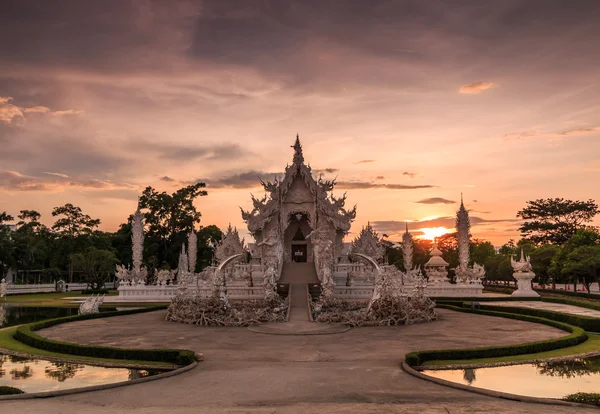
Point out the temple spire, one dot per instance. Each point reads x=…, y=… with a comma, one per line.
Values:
x=298, y=157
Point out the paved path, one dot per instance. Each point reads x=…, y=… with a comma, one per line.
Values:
x=243, y=371
x=557, y=307
x=298, y=302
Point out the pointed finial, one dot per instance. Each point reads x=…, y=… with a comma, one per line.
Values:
x=522, y=254
x=298, y=157
x=461, y=199
x=406, y=226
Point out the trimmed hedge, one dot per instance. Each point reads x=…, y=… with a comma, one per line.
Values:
x=585, y=322
x=584, y=398
x=5, y=390
x=27, y=335
x=573, y=302
x=577, y=336
x=95, y=292
x=568, y=293
x=483, y=299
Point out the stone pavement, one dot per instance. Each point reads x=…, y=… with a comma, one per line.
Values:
x=557, y=307
x=350, y=372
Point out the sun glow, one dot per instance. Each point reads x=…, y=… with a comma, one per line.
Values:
x=430, y=233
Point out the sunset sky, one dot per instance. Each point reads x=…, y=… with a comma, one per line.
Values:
x=408, y=103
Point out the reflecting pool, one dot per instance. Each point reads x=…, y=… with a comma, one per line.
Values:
x=11, y=315
x=547, y=379
x=36, y=375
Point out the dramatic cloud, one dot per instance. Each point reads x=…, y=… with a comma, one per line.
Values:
x=326, y=170
x=380, y=177
x=363, y=185
x=167, y=179
x=364, y=161
x=476, y=87
x=55, y=182
x=435, y=200
x=177, y=152
x=396, y=227
x=410, y=174
x=10, y=112
x=61, y=175
x=574, y=132
x=250, y=179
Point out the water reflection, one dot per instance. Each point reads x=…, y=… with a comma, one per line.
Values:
x=547, y=379
x=35, y=375
x=11, y=315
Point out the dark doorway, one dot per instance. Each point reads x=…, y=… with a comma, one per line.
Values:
x=299, y=253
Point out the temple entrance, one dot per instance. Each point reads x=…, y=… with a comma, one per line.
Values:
x=297, y=249
x=299, y=253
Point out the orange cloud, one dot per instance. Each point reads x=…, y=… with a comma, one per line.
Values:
x=476, y=87
x=9, y=111
x=552, y=135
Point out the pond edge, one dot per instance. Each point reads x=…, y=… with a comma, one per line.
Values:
x=50, y=394
x=497, y=394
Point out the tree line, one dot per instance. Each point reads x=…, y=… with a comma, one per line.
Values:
x=556, y=234
x=73, y=245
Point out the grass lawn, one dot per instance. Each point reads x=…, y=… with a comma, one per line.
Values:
x=591, y=345
x=8, y=342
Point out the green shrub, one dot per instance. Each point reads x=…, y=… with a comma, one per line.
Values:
x=568, y=293
x=95, y=292
x=576, y=337
x=27, y=335
x=585, y=322
x=573, y=302
x=584, y=398
x=4, y=390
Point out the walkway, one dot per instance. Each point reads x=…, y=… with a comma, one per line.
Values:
x=299, y=302
x=246, y=372
x=557, y=307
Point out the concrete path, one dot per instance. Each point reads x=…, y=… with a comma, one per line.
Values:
x=557, y=307
x=299, y=303
x=246, y=372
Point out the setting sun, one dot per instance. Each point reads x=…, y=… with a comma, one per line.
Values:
x=431, y=233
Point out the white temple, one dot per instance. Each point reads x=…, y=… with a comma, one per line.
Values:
x=298, y=228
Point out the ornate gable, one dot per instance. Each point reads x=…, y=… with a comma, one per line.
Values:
x=289, y=189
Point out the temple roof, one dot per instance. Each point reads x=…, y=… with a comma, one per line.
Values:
x=331, y=207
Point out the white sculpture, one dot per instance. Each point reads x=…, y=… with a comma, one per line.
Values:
x=465, y=274
x=138, y=274
x=229, y=245
x=3, y=289
x=407, y=250
x=523, y=273
x=91, y=305
x=368, y=243
x=435, y=268
x=192, y=251
x=272, y=256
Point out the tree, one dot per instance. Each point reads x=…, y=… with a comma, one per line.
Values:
x=583, y=263
x=169, y=218
x=31, y=241
x=96, y=265
x=541, y=260
x=207, y=236
x=74, y=222
x=6, y=244
x=555, y=220
x=481, y=250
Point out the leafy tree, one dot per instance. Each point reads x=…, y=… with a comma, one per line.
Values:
x=509, y=248
x=169, y=218
x=6, y=244
x=73, y=223
x=583, y=263
x=541, y=260
x=96, y=265
x=207, y=236
x=32, y=242
x=555, y=220
x=481, y=250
